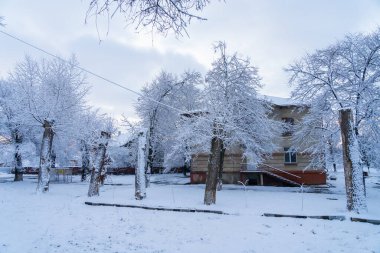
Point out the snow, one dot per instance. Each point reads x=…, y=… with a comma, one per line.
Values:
x=59, y=221
x=280, y=100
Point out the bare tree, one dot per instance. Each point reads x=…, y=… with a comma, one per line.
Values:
x=161, y=15
x=101, y=159
x=345, y=75
x=53, y=92
x=89, y=126
x=11, y=108
x=160, y=120
x=318, y=135
x=98, y=171
x=233, y=117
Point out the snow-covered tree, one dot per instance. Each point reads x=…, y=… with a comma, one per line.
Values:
x=140, y=179
x=318, y=136
x=89, y=128
x=233, y=117
x=12, y=123
x=346, y=75
x=160, y=107
x=160, y=16
x=53, y=91
x=101, y=159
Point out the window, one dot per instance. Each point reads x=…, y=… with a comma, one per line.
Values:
x=290, y=156
x=288, y=129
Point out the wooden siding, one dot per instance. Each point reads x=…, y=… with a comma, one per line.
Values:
x=199, y=177
x=306, y=178
x=232, y=163
x=278, y=161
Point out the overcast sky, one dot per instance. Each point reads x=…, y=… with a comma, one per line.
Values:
x=272, y=33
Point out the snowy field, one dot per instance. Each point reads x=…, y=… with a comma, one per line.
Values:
x=59, y=221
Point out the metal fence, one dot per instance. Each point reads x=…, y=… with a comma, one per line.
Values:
x=61, y=175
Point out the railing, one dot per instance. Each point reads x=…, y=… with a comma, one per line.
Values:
x=283, y=171
x=274, y=172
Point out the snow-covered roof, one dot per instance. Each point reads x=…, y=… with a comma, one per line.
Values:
x=282, y=101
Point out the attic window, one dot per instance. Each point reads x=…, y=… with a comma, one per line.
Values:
x=289, y=123
x=290, y=156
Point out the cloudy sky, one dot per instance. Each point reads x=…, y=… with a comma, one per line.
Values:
x=272, y=33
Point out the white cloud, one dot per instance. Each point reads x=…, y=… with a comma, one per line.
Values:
x=273, y=33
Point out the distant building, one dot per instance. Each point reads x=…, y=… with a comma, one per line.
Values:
x=284, y=167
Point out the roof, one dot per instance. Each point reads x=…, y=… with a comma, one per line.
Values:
x=282, y=101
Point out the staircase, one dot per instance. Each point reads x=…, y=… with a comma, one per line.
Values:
x=281, y=178
x=275, y=173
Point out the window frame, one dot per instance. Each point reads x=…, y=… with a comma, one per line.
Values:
x=290, y=157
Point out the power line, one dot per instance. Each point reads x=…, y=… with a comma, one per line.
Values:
x=90, y=72
x=112, y=82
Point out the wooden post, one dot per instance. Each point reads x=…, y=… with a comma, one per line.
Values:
x=140, y=184
x=353, y=171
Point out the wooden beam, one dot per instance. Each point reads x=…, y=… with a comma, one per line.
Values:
x=187, y=210
x=375, y=222
x=322, y=217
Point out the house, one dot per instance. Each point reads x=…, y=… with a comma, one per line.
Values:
x=282, y=168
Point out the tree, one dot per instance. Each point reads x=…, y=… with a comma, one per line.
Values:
x=54, y=94
x=101, y=159
x=89, y=128
x=13, y=123
x=161, y=16
x=318, y=136
x=346, y=75
x=140, y=184
x=233, y=117
x=155, y=108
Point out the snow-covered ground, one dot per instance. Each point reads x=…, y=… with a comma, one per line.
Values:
x=59, y=221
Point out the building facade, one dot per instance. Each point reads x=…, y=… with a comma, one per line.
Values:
x=282, y=168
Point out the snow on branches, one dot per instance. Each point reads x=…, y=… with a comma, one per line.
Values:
x=160, y=16
x=344, y=75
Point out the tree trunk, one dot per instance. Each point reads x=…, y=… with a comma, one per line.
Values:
x=45, y=157
x=220, y=172
x=186, y=167
x=93, y=188
x=353, y=171
x=53, y=158
x=213, y=167
x=18, y=158
x=149, y=160
x=140, y=184
x=332, y=155
x=98, y=171
x=103, y=158
x=85, y=160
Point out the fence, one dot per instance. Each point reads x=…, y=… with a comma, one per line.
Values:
x=61, y=175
